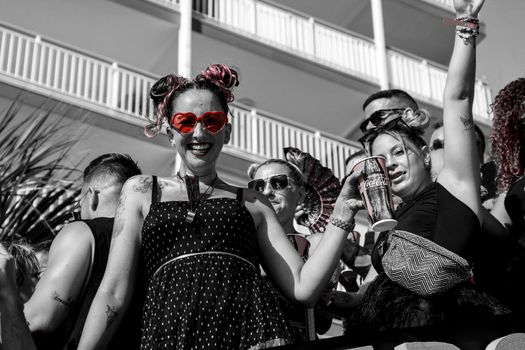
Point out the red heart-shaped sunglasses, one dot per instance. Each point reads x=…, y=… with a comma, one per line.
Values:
x=186, y=122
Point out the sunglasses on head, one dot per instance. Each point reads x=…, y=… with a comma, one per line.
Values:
x=213, y=121
x=378, y=117
x=437, y=144
x=392, y=124
x=277, y=183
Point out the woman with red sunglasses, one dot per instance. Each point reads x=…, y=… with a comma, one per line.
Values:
x=202, y=239
x=447, y=212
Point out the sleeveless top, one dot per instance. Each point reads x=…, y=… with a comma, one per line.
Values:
x=439, y=216
x=68, y=334
x=202, y=300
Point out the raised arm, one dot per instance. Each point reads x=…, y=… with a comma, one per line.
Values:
x=460, y=174
x=58, y=290
x=115, y=291
x=297, y=280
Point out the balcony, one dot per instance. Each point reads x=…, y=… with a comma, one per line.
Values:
x=49, y=68
x=331, y=46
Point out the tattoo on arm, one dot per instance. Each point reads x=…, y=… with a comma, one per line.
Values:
x=145, y=183
x=66, y=302
x=111, y=315
x=468, y=121
x=119, y=221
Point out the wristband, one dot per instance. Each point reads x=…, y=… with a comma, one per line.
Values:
x=344, y=225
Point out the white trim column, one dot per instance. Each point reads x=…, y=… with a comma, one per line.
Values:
x=380, y=44
x=184, y=62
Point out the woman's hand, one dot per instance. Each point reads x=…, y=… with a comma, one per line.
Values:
x=349, y=199
x=468, y=8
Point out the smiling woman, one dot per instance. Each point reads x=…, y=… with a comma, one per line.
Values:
x=203, y=240
x=445, y=213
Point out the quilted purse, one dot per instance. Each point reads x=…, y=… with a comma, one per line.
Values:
x=422, y=266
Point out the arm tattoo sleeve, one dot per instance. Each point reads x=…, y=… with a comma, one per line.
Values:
x=111, y=315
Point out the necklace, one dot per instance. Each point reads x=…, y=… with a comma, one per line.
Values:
x=194, y=195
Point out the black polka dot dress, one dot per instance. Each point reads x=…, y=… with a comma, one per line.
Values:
x=206, y=301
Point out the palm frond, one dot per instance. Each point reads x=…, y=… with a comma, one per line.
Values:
x=38, y=190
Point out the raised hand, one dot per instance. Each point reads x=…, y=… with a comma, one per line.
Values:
x=468, y=8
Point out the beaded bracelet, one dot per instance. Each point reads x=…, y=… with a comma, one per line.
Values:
x=344, y=225
x=467, y=27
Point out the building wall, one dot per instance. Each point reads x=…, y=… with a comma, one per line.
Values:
x=147, y=39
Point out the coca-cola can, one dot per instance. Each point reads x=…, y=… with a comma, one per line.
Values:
x=374, y=187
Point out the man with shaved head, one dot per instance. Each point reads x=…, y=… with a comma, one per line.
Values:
x=78, y=255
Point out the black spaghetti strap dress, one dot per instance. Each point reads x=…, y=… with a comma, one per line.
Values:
x=201, y=299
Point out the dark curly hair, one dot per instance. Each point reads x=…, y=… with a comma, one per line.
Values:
x=220, y=79
x=506, y=136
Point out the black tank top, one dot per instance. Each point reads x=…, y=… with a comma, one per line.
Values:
x=128, y=333
x=439, y=216
x=68, y=334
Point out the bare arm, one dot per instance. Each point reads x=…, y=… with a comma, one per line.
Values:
x=297, y=280
x=460, y=174
x=115, y=291
x=14, y=333
x=61, y=285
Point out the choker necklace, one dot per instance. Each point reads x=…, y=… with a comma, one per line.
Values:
x=194, y=195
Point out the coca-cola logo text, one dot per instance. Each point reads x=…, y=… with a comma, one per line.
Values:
x=375, y=181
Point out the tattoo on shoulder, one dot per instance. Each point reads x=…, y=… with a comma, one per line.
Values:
x=468, y=121
x=111, y=315
x=145, y=183
x=66, y=302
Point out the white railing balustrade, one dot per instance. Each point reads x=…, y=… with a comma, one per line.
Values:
x=332, y=46
x=76, y=76
x=265, y=135
x=69, y=72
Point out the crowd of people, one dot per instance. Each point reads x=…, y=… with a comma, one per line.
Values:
x=191, y=262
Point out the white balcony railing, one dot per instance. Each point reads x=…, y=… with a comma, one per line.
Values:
x=332, y=46
x=31, y=61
